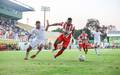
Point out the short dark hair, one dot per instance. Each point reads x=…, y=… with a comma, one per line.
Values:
x=37, y=22
x=70, y=18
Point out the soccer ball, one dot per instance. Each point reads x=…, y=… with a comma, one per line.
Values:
x=82, y=58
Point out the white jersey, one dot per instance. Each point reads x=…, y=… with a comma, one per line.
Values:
x=97, y=36
x=39, y=33
x=40, y=37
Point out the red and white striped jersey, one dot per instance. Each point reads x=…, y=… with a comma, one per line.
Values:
x=67, y=27
x=84, y=36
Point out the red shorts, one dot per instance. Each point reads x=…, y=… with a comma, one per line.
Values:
x=85, y=41
x=86, y=44
x=80, y=45
x=83, y=45
x=65, y=39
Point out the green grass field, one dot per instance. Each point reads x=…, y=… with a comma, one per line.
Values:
x=108, y=63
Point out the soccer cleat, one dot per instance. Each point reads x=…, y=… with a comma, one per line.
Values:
x=25, y=58
x=33, y=56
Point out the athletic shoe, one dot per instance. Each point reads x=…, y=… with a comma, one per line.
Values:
x=33, y=56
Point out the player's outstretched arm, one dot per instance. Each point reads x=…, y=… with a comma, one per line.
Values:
x=46, y=29
x=55, y=24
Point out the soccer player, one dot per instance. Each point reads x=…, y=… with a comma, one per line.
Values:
x=79, y=43
x=38, y=41
x=65, y=37
x=97, y=41
x=84, y=39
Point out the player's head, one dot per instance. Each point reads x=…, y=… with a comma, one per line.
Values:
x=97, y=29
x=69, y=20
x=37, y=24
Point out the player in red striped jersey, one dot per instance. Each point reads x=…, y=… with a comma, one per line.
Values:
x=65, y=37
x=84, y=38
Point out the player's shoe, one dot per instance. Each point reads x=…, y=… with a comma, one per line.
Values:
x=33, y=56
x=25, y=58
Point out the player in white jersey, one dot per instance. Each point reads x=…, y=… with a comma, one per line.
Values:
x=97, y=41
x=38, y=41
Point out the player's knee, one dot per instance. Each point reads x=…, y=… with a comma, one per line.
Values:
x=98, y=45
x=63, y=48
x=56, y=42
x=40, y=47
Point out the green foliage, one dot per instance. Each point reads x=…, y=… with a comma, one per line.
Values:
x=57, y=30
x=77, y=32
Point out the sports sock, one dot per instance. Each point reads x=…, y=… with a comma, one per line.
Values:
x=59, y=53
x=55, y=46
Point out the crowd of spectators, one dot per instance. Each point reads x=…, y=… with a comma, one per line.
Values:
x=9, y=30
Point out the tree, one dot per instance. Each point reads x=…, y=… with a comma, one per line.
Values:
x=103, y=31
x=77, y=33
x=92, y=24
x=57, y=30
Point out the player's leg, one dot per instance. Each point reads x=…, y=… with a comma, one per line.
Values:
x=96, y=48
x=58, y=40
x=86, y=49
x=33, y=44
x=80, y=46
x=65, y=45
x=27, y=52
x=86, y=46
x=39, y=49
x=59, y=52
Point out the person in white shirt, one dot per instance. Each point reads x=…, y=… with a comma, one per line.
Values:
x=38, y=41
x=97, y=40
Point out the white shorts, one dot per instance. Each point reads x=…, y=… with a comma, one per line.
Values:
x=96, y=42
x=37, y=42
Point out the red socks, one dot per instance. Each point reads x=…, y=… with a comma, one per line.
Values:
x=55, y=46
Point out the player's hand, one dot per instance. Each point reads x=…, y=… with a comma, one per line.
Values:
x=47, y=25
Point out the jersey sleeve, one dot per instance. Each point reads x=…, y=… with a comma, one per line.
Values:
x=73, y=27
x=32, y=31
x=61, y=23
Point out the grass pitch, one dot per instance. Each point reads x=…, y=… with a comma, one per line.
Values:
x=108, y=63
